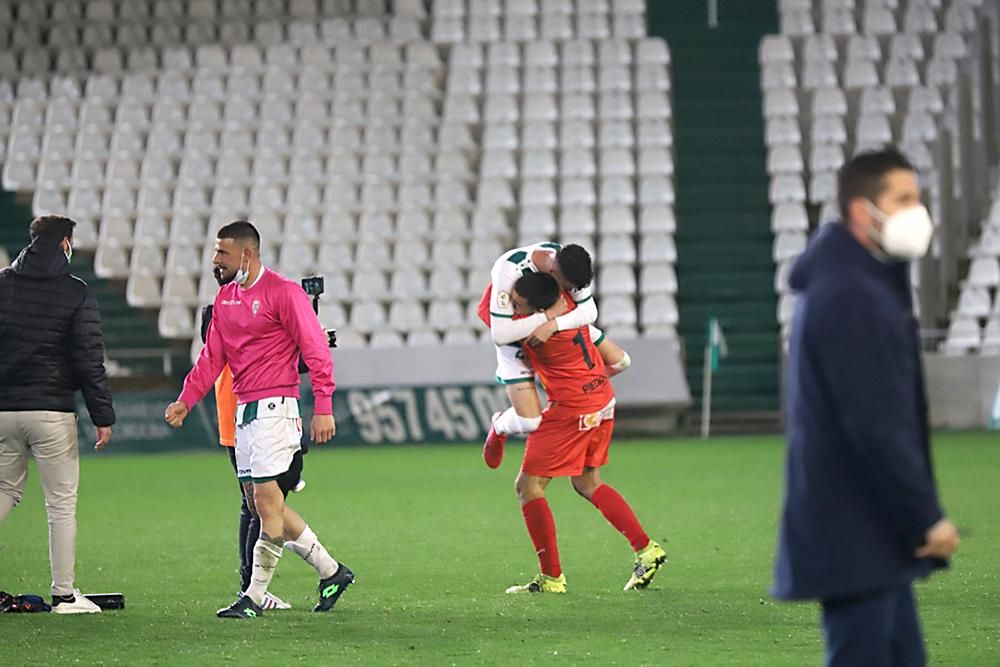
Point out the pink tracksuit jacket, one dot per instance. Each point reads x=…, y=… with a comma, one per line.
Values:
x=259, y=332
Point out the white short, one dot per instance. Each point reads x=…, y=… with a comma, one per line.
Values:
x=268, y=433
x=512, y=367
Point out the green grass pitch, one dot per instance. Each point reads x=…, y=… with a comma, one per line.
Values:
x=435, y=537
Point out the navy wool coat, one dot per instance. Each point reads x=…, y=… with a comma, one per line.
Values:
x=859, y=487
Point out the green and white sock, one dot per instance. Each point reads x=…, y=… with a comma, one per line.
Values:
x=265, y=558
x=308, y=547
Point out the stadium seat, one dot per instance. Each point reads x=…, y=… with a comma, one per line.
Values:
x=819, y=74
x=152, y=230
x=863, y=47
x=367, y=316
x=111, y=262
x=974, y=302
x=575, y=192
x=657, y=248
x=180, y=290
x=920, y=19
x=184, y=260
x=617, y=220
x=176, y=322
x=406, y=315
x=658, y=310
x=860, y=74
x=788, y=246
x=963, y=336
x=781, y=102
x=877, y=20
x=786, y=188
x=919, y=126
x=878, y=100
x=616, y=279
x=618, y=191
x=906, y=46
x=51, y=197
x=449, y=223
x=618, y=311
x=657, y=219
x=826, y=157
x=459, y=337
x=776, y=49
x=576, y=134
x=789, y=217
x=941, y=72
x=576, y=220
x=423, y=338
x=537, y=220
x=385, y=339
x=782, y=131
x=901, y=74
x=960, y=17
x=784, y=160
x=873, y=129
x=658, y=278
x=447, y=282
x=819, y=48
x=984, y=272
x=444, y=314
x=926, y=99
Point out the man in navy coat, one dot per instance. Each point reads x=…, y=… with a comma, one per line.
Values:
x=861, y=517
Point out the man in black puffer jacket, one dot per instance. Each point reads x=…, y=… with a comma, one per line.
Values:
x=50, y=346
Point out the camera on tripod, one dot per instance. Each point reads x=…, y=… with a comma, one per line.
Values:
x=314, y=286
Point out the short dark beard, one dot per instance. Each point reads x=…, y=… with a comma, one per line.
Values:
x=219, y=278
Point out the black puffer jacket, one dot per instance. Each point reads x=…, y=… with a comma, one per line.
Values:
x=50, y=337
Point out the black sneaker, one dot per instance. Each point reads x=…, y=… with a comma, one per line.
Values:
x=331, y=588
x=242, y=608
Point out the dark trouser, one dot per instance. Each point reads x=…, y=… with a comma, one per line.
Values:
x=249, y=531
x=877, y=630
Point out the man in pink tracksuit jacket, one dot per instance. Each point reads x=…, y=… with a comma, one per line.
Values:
x=261, y=323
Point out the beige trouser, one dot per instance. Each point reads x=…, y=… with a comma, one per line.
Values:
x=50, y=437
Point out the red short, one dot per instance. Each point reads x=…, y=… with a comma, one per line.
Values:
x=484, y=305
x=560, y=449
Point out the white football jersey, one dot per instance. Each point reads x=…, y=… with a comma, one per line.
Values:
x=511, y=266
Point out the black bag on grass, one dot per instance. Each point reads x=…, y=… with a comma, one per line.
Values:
x=22, y=604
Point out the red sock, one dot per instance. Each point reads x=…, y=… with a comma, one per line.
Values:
x=620, y=515
x=542, y=529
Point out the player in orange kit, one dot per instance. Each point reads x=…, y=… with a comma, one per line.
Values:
x=572, y=441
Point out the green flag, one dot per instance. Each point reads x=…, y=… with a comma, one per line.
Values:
x=717, y=347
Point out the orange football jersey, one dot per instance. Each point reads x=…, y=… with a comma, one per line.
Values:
x=572, y=372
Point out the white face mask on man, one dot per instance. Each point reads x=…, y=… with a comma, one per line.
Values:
x=906, y=234
x=242, y=274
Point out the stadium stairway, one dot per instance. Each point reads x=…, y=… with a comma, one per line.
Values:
x=724, y=239
x=133, y=343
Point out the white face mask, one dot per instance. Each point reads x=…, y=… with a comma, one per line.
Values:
x=242, y=274
x=69, y=253
x=905, y=234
